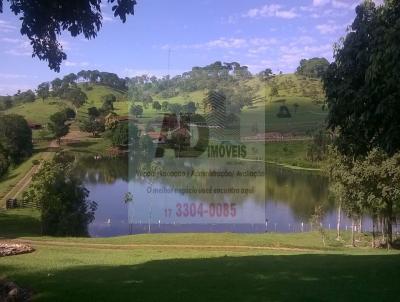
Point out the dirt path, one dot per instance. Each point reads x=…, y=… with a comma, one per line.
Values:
x=24, y=182
x=75, y=134
x=167, y=246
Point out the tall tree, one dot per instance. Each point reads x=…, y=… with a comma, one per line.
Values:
x=367, y=186
x=156, y=105
x=314, y=68
x=136, y=110
x=92, y=126
x=57, y=125
x=125, y=134
x=56, y=86
x=4, y=162
x=15, y=137
x=76, y=96
x=24, y=97
x=6, y=102
x=62, y=200
x=361, y=85
x=43, y=90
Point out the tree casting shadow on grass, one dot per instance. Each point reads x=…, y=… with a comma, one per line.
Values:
x=19, y=223
x=251, y=278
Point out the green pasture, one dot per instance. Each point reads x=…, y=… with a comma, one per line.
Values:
x=196, y=267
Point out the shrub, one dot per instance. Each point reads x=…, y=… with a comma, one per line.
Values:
x=4, y=163
x=62, y=200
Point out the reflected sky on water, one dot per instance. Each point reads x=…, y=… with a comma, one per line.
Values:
x=288, y=200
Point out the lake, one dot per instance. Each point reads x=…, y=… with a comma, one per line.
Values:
x=283, y=200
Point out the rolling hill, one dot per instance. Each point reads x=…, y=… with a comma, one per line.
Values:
x=302, y=96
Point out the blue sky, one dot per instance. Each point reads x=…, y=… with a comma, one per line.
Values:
x=256, y=33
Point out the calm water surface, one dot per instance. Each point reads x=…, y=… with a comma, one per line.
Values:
x=287, y=205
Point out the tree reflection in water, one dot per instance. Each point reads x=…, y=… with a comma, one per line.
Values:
x=299, y=190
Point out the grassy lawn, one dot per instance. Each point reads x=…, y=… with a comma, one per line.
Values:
x=39, y=111
x=290, y=154
x=158, y=274
x=89, y=146
x=199, y=267
x=305, y=118
x=15, y=174
x=308, y=116
x=19, y=222
x=95, y=99
x=82, y=271
x=9, y=180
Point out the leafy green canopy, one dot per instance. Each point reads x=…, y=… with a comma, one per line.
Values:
x=44, y=20
x=362, y=85
x=125, y=134
x=367, y=186
x=15, y=137
x=62, y=199
x=57, y=124
x=4, y=162
x=313, y=68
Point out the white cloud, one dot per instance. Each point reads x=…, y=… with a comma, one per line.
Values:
x=75, y=64
x=12, y=76
x=302, y=40
x=320, y=2
x=13, y=88
x=328, y=28
x=18, y=52
x=258, y=50
x=286, y=14
x=10, y=40
x=22, y=49
x=225, y=43
x=286, y=55
x=107, y=18
x=6, y=26
x=296, y=53
x=342, y=4
x=65, y=44
x=271, y=10
x=263, y=41
x=229, y=20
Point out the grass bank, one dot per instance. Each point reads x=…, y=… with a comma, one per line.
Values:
x=158, y=274
x=290, y=155
x=156, y=269
x=16, y=173
x=89, y=146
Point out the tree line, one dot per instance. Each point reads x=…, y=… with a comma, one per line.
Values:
x=362, y=94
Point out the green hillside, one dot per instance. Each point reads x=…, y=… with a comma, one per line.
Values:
x=95, y=94
x=39, y=111
x=302, y=96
